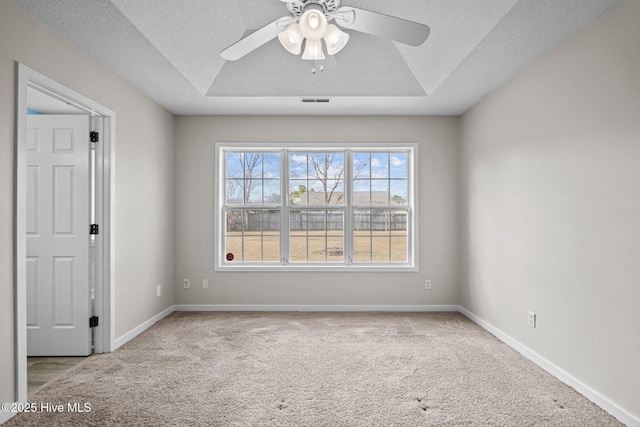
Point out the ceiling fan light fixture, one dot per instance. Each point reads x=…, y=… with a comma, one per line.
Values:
x=313, y=50
x=291, y=39
x=335, y=39
x=313, y=24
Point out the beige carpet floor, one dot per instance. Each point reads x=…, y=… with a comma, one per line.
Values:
x=314, y=369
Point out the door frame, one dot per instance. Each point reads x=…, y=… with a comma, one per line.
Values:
x=104, y=307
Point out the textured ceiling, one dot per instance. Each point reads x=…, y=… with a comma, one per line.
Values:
x=169, y=49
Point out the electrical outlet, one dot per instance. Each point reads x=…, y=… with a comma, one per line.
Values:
x=532, y=319
x=187, y=283
x=205, y=283
x=427, y=284
x=158, y=290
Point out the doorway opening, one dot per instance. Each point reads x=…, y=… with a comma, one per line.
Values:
x=64, y=186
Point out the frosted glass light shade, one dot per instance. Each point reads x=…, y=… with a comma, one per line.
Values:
x=313, y=50
x=313, y=24
x=335, y=39
x=291, y=39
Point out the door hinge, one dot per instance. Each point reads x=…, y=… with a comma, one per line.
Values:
x=94, y=136
x=93, y=321
x=94, y=229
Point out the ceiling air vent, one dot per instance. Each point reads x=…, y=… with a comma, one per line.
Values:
x=315, y=100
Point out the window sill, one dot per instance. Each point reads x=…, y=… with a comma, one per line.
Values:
x=279, y=268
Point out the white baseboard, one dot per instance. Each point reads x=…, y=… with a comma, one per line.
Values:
x=6, y=416
x=143, y=327
x=316, y=308
x=597, y=398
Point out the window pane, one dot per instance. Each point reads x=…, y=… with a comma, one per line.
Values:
x=298, y=221
x=234, y=221
x=298, y=165
x=335, y=190
x=398, y=248
x=380, y=249
x=271, y=168
x=298, y=246
x=362, y=220
x=316, y=248
x=335, y=247
x=252, y=166
x=270, y=222
x=271, y=192
x=253, y=189
x=380, y=192
x=334, y=163
x=379, y=165
x=335, y=222
x=362, y=236
x=316, y=192
x=361, y=165
x=271, y=248
x=233, y=247
x=398, y=221
x=379, y=221
x=298, y=192
x=362, y=246
x=399, y=192
x=234, y=192
x=316, y=164
x=252, y=248
x=234, y=168
x=298, y=236
x=398, y=163
x=316, y=222
x=361, y=192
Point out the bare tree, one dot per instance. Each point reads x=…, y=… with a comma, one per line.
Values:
x=241, y=187
x=328, y=173
x=251, y=178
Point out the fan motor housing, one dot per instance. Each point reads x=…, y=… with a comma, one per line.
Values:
x=328, y=7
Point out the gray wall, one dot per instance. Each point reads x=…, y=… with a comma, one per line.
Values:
x=145, y=173
x=438, y=149
x=551, y=196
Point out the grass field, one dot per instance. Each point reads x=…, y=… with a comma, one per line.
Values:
x=381, y=246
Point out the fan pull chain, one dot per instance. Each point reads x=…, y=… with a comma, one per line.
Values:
x=314, y=70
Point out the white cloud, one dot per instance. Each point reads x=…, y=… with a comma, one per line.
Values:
x=395, y=161
x=375, y=162
x=299, y=158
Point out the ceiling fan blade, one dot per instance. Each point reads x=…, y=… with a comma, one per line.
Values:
x=256, y=39
x=378, y=24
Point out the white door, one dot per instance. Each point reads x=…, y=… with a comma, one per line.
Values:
x=58, y=239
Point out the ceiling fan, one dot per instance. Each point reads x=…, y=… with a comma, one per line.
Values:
x=309, y=23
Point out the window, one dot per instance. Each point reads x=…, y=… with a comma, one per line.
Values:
x=317, y=207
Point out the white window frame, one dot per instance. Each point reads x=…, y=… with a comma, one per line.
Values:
x=220, y=263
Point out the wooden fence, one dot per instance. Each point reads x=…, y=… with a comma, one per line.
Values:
x=315, y=221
